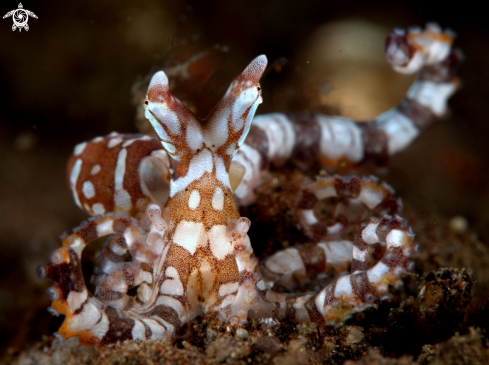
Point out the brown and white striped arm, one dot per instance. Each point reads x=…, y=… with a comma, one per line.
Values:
x=275, y=138
x=349, y=293
x=360, y=194
x=118, y=174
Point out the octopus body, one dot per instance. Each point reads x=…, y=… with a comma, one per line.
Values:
x=169, y=206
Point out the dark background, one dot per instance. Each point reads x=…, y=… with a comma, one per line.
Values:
x=80, y=71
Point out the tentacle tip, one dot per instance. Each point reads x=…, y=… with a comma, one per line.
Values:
x=260, y=62
x=255, y=69
x=158, y=89
x=159, y=79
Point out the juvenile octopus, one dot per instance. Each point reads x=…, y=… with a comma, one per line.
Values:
x=184, y=250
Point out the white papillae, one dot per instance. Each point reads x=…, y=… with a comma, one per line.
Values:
x=78, y=245
x=369, y=234
x=220, y=244
x=370, y=197
x=287, y=261
x=79, y=148
x=193, y=136
x=400, y=130
x=169, y=147
x=249, y=119
x=190, y=235
x=244, y=101
x=76, y=299
x=160, y=131
x=95, y=170
x=377, y=273
x=98, y=209
x=343, y=287
x=144, y=292
x=221, y=172
x=301, y=312
x=229, y=288
x=88, y=189
x=172, y=303
x=359, y=254
x=414, y=65
x=278, y=298
x=114, y=142
x=432, y=95
x=89, y=318
x=324, y=193
x=229, y=300
x=340, y=138
x=395, y=238
x=250, y=159
x=157, y=330
x=105, y=228
x=337, y=252
x=122, y=199
x=216, y=134
x=138, y=331
x=309, y=216
x=200, y=163
x=164, y=115
x=145, y=276
x=172, y=287
x=218, y=199
x=280, y=135
x=194, y=200
x=74, y=174
x=319, y=302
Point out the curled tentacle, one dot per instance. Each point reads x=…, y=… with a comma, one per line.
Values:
x=106, y=317
x=350, y=293
x=299, y=261
x=85, y=315
x=371, y=195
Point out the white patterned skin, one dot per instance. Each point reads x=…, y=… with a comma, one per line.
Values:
x=190, y=250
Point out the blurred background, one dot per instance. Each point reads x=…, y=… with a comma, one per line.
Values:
x=82, y=69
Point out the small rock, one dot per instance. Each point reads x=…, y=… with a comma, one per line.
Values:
x=355, y=335
x=242, y=333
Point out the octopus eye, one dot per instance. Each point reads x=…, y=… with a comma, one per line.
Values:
x=258, y=87
x=146, y=102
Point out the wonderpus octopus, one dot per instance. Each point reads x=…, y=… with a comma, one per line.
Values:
x=187, y=252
